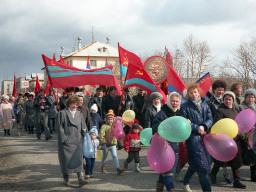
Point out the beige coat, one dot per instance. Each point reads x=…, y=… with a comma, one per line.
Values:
x=6, y=113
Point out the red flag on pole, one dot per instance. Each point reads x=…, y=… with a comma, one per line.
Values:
x=88, y=66
x=205, y=84
x=38, y=86
x=14, y=87
x=62, y=60
x=54, y=58
x=47, y=87
x=168, y=57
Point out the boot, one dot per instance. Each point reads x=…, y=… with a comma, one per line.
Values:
x=125, y=164
x=253, y=173
x=5, y=132
x=81, y=180
x=103, y=170
x=66, y=179
x=237, y=183
x=159, y=187
x=8, y=132
x=137, y=167
x=119, y=171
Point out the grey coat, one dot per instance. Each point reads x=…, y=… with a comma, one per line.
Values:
x=28, y=108
x=70, y=141
x=53, y=110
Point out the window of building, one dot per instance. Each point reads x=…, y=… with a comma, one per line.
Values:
x=93, y=63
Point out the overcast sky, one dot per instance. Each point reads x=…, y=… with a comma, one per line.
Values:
x=29, y=28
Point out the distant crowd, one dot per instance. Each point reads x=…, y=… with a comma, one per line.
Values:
x=76, y=113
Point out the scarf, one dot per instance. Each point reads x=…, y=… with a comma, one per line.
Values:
x=72, y=113
x=198, y=102
x=158, y=107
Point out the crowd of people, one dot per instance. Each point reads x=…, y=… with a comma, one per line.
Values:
x=76, y=113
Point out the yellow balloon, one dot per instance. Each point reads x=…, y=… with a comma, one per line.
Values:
x=225, y=126
x=128, y=115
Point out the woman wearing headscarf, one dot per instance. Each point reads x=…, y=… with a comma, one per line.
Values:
x=196, y=110
x=227, y=110
x=7, y=115
x=70, y=129
x=153, y=109
x=169, y=109
x=249, y=103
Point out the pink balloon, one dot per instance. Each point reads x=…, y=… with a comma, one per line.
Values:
x=220, y=146
x=118, y=118
x=245, y=120
x=119, y=131
x=130, y=124
x=160, y=155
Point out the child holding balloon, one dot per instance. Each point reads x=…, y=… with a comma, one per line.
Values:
x=133, y=147
x=107, y=137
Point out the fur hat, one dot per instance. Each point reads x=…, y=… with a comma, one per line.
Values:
x=155, y=95
x=249, y=92
x=229, y=93
x=110, y=114
x=94, y=107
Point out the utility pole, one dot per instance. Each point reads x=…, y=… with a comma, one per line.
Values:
x=92, y=35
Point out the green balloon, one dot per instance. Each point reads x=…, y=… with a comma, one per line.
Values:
x=175, y=129
x=146, y=136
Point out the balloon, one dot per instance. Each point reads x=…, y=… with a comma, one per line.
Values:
x=225, y=126
x=118, y=118
x=220, y=146
x=88, y=148
x=245, y=120
x=175, y=129
x=146, y=136
x=130, y=124
x=160, y=155
x=128, y=115
x=119, y=131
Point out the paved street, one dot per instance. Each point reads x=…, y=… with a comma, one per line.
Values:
x=27, y=164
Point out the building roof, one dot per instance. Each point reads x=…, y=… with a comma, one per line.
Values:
x=40, y=76
x=97, y=49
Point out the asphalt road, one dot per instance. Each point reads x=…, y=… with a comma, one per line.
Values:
x=27, y=164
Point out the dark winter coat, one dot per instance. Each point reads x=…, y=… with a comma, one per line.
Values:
x=213, y=104
x=139, y=107
x=53, y=110
x=28, y=108
x=46, y=104
x=63, y=102
x=87, y=117
x=109, y=102
x=198, y=156
x=128, y=104
x=149, y=116
x=70, y=139
x=87, y=101
x=96, y=120
x=132, y=141
x=224, y=112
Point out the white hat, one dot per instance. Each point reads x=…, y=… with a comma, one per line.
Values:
x=5, y=97
x=94, y=108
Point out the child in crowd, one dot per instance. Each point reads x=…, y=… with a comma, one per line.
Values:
x=107, y=137
x=91, y=161
x=96, y=119
x=132, y=146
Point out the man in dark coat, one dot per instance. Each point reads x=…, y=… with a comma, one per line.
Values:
x=85, y=111
x=42, y=107
x=127, y=103
x=67, y=93
x=139, y=101
x=52, y=113
x=111, y=101
x=97, y=99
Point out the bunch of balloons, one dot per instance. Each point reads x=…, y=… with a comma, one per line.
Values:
x=219, y=143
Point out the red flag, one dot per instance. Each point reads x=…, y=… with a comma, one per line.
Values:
x=205, y=84
x=62, y=60
x=168, y=57
x=38, y=86
x=88, y=66
x=107, y=63
x=174, y=82
x=14, y=87
x=54, y=59
x=47, y=87
x=63, y=76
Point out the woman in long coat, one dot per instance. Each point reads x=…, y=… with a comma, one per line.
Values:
x=7, y=115
x=249, y=103
x=196, y=110
x=169, y=109
x=29, y=113
x=70, y=129
x=227, y=110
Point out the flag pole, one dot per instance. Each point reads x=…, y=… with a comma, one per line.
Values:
x=122, y=85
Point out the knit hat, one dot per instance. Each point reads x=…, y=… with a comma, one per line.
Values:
x=229, y=93
x=110, y=114
x=249, y=92
x=94, y=130
x=94, y=107
x=155, y=95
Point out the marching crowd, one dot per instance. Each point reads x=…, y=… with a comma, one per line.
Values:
x=76, y=113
